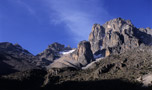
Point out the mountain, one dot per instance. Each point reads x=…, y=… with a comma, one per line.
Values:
x=14, y=58
x=53, y=52
x=118, y=56
x=114, y=37
x=117, y=36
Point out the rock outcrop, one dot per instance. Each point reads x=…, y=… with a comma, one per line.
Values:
x=117, y=36
x=96, y=37
x=83, y=54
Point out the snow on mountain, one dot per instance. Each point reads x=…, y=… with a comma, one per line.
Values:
x=67, y=52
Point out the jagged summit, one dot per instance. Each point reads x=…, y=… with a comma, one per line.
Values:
x=56, y=46
x=118, y=35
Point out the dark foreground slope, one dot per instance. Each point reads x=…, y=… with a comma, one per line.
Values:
x=34, y=83
x=114, y=84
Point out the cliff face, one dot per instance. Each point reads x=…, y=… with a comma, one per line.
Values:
x=83, y=54
x=118, y=35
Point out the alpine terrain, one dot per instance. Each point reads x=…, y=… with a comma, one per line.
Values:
x=117, y=56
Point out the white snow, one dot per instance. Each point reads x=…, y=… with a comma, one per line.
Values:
x=67, y=52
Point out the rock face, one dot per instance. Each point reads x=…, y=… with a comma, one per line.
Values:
x=118, y=35
x=83, y=54
x=14, y=58
x=96, y=37
x=77, y=59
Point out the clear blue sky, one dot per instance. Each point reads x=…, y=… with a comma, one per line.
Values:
x=35, y=24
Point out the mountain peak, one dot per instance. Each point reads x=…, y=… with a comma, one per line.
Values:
x=120, y=34
x=18, y=46
x=117, y=24
x=56, y=46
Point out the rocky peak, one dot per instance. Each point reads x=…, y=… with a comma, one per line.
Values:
x=56, y=47
x=17, y=45
x=118, y=35
x=53, y=52
x=117, y=24
x=96, y=36
x=6, y=47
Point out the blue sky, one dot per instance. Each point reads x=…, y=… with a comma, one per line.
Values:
x=35, y=24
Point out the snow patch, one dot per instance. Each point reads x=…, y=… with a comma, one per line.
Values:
x=67, y=52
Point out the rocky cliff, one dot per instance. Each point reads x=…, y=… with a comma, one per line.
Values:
x=117, y=36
